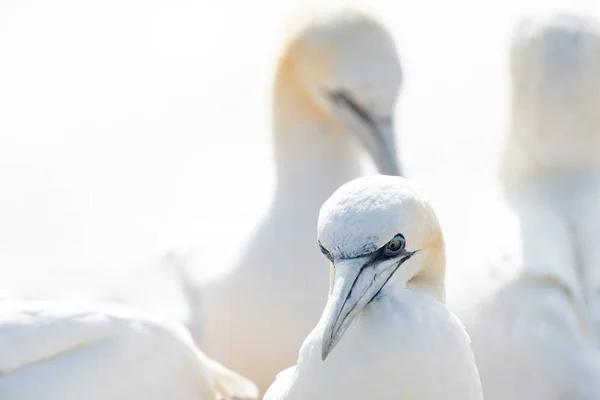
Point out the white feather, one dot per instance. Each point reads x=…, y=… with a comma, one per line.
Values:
x=53, y=350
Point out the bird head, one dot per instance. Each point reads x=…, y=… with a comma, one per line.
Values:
x=381, y=237
x=345, y=67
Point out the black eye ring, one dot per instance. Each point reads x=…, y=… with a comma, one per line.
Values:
x=395, y=246
x=325, y=251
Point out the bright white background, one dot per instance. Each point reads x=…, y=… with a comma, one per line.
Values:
x=129, y=127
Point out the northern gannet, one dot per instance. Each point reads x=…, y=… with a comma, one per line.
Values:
x=533, y=337
x=334, y=99
x=385, y=332
x=55, y=350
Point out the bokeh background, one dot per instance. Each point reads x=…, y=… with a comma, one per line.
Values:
x=129, y=128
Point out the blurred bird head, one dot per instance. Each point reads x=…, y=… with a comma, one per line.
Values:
x=343, y=72
x=555, y=96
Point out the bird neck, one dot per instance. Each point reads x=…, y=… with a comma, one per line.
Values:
x=431, y=275
x=313, y=152
x=548, y=241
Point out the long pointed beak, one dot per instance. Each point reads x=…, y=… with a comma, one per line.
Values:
x=381, y=146
x=356, y=282
x=376, y=135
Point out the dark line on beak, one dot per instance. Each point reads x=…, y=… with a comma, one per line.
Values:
x=402, y=260
x=375, y=256
x=354, y=107
x=351, y=288
x=340, y=96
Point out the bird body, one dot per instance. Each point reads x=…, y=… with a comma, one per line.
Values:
x=53, y=350
x=533, y=337
x=385, y=332
x=394, y=345
x=530, y=342
x=334, y=97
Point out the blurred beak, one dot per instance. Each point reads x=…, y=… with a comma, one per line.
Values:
x=356, y=282
x=378, y=141
x=375, y=135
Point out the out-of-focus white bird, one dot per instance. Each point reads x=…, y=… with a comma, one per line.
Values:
x=554, y=144
x=334, y=98
x=555, y=98
x=54, y=350
x=533, y=337
x=385, y=332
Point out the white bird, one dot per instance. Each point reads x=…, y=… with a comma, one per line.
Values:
x=334, y=98
x=554, y=144
x=385, y=332
x=55, y=350
x=533, y=337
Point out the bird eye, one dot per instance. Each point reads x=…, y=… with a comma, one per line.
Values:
x=395, y=246
x=325, y=251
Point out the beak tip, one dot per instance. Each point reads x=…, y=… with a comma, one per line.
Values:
x=324, y=353
x=326, y=349
x=392, y=170
x=396, y=170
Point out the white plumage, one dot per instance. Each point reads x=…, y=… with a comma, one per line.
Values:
x=385, y=332
x=334, y=98
x=553, y=151
x=533, y=336
x=54, y=350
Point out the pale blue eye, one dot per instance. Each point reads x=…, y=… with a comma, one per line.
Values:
x=395, y=246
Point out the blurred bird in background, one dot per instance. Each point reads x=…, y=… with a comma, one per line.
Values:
x=533, y=315
x=58, y=350
x=334, y=98
x=533, y=337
